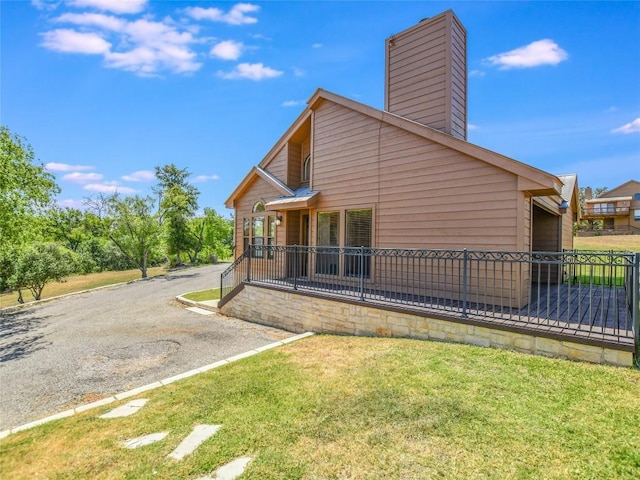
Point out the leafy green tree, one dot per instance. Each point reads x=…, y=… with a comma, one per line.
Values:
x=26, y=190
x=213, y=234
x=69, y=226
x=39, y=264
x=135, y=229
x=178, y=202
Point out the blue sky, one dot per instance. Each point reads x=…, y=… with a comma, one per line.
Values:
x=105, y=90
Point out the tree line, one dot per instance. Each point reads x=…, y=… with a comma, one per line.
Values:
x=41, y=241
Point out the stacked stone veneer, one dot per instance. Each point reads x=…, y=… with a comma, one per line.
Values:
x=302, y=312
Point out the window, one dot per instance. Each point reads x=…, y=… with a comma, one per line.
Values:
x=328, y=235
x=636, y=214
x=358, y=229
x=306, y=169
x=246, y=234
x=271, y=235
x=602, y=208
x=636, y=197
x=257, y=235
x=258, y=228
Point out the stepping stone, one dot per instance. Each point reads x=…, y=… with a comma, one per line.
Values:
x=125, y=410
x=201, y=311
x=230, y=471
x=145, y=440
x=194, y=440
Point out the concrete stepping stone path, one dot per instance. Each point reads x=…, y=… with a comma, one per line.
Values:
x=127, y=409
x=145, y=440
x=199, y=434
x=230, y=471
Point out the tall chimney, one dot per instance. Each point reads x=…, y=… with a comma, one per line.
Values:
x=426, y=74
x=588, y=193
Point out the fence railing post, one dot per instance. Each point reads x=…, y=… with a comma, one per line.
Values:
x=635, y=299
x=295, y=267
x=465, y=257
x=362, y=274
x=221, y=280
x=249, y=263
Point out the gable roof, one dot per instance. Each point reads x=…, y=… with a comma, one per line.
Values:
x=530, y=179
x=254, y=173
x=608, y=193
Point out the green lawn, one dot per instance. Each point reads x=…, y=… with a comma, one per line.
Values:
x=211, y=294
x=363, y=408
x=629, y=243
x=78, y=283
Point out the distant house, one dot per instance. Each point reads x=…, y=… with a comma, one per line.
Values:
x=618, y=208
x=346, y=174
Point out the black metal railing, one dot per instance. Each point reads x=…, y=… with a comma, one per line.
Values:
x=588, y=293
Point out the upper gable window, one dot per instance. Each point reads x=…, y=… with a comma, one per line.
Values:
x=306, y=169
x=258, y=207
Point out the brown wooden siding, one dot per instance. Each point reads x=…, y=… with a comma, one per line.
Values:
x=278, y=166
x=426, y=195
x=294, y=165
x=426, y=74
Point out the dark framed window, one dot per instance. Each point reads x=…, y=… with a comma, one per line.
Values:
x=328, y=235
x=358, y=233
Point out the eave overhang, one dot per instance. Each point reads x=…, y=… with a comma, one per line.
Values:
x=250, y=177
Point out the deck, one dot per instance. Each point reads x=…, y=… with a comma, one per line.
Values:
x=574, y=311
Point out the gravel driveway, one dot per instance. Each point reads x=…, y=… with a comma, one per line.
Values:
x=81, y=348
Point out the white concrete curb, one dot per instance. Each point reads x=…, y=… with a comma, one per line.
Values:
x=151, y=386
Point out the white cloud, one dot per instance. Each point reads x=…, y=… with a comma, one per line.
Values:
x=252, y=71
x=70, y=41
x=476, y=73
x=204, y=178
x=140, y=176
x=115, y=6
x=293, y=103
x=227, y=50
x=45, y=4
x=631, y=127
x=77, y=177
x=143, y=46
x=108, y=187
x=71, y=203
x=236, y=16
x=471, y=126
x=65, y=167
x=540, y=52
x=298, y=72
x=108, y=22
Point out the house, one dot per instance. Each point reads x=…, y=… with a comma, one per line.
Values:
x=348, y=175
x=618, y=208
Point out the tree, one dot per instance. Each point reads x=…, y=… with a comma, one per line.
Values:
x=135, y=228
x=69, y=226
x=178, y=202
x=39, y=264
x=213, y=233
x=26, y=190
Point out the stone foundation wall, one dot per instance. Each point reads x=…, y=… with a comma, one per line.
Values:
x=301, y=313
